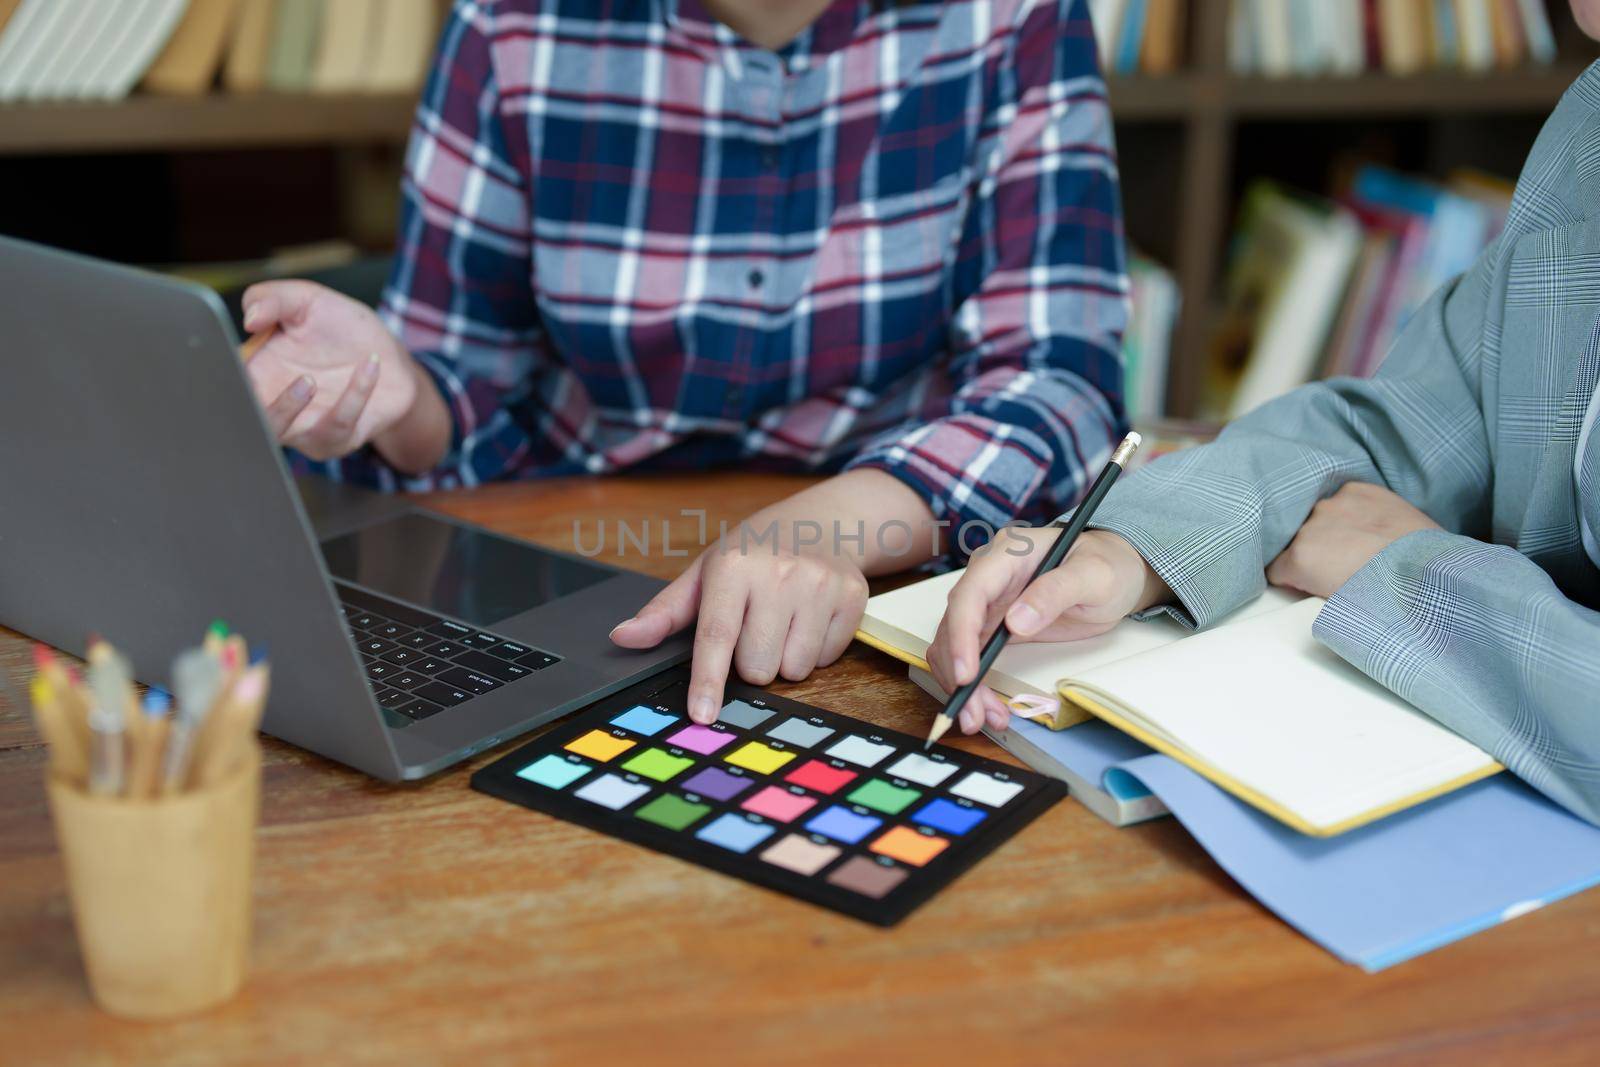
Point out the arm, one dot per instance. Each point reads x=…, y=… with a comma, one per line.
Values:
x=1036, y=406
x=460, y=298
x=1210, y=520
x=1481, y=639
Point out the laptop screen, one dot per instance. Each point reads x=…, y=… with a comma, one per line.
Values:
x=466, y=573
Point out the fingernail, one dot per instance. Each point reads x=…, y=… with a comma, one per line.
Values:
x=250, y=316
x=962, y=669
x=624, y=622
x=703, y=710
x=1023, y=619
x=369, y=369
x=302, y=388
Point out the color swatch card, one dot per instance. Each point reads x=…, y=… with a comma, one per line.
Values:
x=815, y=804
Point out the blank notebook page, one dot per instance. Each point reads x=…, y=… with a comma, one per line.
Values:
x=908, y=618
x=1261, y=702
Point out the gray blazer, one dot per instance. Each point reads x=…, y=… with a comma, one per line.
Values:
x=1475, y=417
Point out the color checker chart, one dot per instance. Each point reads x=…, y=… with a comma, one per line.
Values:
x=812, y=803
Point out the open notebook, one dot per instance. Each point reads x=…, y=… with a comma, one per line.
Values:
x=1254, y=703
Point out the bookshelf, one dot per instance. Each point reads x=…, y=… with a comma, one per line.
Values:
x=1180, y=137
x=218, y=121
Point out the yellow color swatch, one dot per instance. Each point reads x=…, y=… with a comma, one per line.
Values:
x=759, y=758
x=599, y=745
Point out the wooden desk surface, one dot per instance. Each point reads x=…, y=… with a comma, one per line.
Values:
x=431, y=924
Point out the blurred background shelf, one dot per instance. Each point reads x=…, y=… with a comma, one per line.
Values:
x=184, y=123
x=220, y=176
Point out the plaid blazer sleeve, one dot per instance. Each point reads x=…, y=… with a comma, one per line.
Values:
x=1040, y=299
x=1479, y=637
x=1210, y=519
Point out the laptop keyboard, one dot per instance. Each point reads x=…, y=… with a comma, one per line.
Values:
x=419, y=664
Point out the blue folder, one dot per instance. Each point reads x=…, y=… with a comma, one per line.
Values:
x=1382, y=893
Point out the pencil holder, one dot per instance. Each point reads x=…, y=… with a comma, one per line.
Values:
x=161, y=891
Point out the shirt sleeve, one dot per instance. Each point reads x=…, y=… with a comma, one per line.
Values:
x=1480, y=638
x=1210, y=519
x=1037, y=401
x=460, y=296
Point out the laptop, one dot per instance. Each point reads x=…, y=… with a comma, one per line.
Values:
x=142, y=496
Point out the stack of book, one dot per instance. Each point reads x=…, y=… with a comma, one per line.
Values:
x=86, y=50
x=1319, y=288
x=1139, y=36
x=1298, y=38
x=1147, y=341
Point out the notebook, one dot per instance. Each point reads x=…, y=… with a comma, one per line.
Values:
x=1253, y=703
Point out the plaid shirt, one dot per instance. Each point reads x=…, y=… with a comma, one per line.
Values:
x=632, y=240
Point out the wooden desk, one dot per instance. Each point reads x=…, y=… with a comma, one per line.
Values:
x=431, y=924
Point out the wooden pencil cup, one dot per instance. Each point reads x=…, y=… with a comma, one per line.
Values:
x=161, y=892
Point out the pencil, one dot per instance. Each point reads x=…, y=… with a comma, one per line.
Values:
x=1058, y=552
x=231, y=727
x=67, y=754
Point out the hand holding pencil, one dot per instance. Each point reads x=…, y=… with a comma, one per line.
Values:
x=1057, y=583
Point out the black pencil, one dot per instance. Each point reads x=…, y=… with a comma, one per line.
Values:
x=1052, y=559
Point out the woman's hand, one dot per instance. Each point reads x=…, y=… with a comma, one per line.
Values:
x=767, y=610
x=332, y=378
x=1341, y=535
x=1101, y=581
x=782, y=601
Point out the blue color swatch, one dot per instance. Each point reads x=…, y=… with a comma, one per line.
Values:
x=951, y=818
x=842, y=824
x=553, y=771
x=643, y=720
x=734, y=834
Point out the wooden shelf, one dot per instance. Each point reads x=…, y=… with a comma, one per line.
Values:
x=153, y=123
x=1436, y=93
x=156, y=123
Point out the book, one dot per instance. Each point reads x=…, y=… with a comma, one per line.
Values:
x=244, y=70
x=190, y=61
x=128, y=59
x=1147, y=339
x=31, y=36
x=1084, y=757
x=1129, y=35
x=1254, y=703
x=75, y=46
x=1162, y=49
x=403, y=49
x=1288, y=271
x=294, y=45
x=1106, y=18
x=1267, y=713
x=1476, y=34
x=1536, y=31
x=902, y=623
x=1403, y=31
x=344, y=46
x=1292, y=38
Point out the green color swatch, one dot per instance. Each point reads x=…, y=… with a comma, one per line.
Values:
x=881, y=796
x=654, y=763
x=673, y=812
